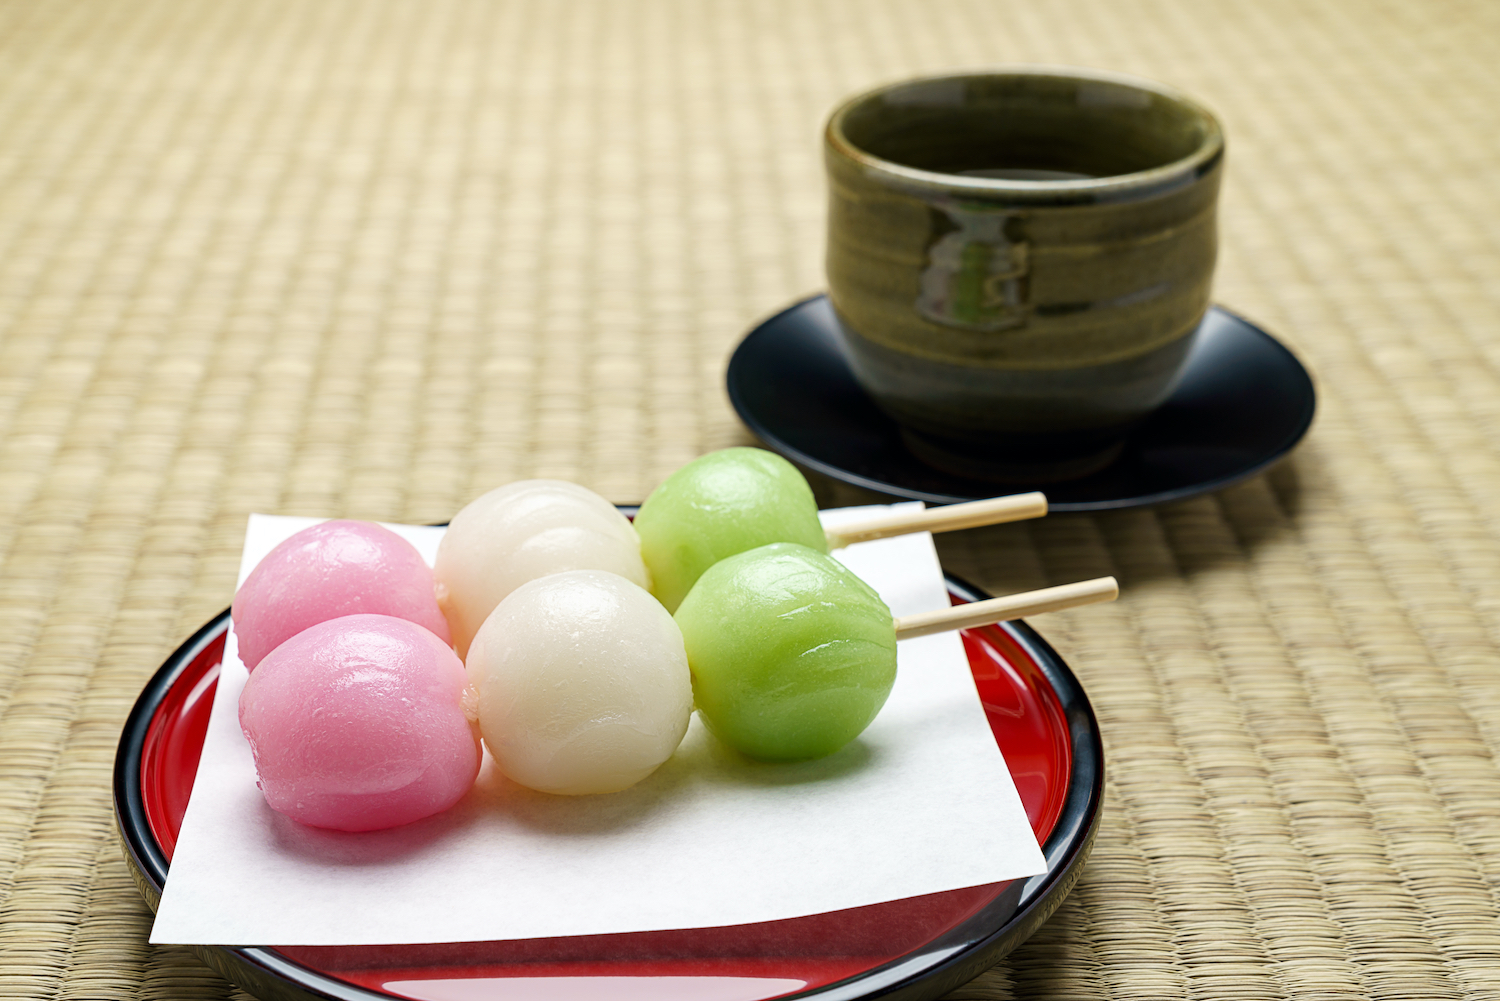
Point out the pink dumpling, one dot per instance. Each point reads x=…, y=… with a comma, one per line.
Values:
x=357, y=724
x=332, y=569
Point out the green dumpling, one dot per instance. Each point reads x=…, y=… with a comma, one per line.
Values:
x=792, y=655
x=720, y=504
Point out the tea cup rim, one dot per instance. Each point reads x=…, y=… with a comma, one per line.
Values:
x=1116, y=187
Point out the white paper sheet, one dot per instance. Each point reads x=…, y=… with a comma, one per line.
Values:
x=920, y=803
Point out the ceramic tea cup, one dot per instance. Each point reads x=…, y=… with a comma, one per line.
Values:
x=1019, y=259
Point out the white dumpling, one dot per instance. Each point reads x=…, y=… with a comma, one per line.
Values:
x=581, y=683
x=523, y=531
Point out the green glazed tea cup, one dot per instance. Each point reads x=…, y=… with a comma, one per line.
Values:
x=1020, y=259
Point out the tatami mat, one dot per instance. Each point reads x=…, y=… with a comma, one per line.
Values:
x=372, y=257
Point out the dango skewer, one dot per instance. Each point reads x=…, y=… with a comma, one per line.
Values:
x=792, y=655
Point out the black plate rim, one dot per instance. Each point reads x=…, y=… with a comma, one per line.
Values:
x=802, y=458
x=928, y=972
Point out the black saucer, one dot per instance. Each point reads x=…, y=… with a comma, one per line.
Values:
x=1243, y=402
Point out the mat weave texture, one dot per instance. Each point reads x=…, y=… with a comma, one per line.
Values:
x=369, y=258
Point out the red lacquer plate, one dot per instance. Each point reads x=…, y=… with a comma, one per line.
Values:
x=919, y=947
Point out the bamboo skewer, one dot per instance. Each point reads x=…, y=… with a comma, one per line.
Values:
x=949, y=518
x=973, y=514
x=1012, y=606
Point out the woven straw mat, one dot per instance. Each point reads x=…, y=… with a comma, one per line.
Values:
x=370, y=258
